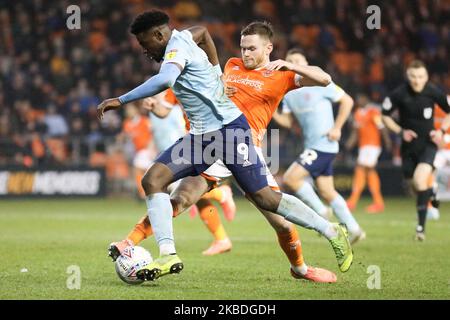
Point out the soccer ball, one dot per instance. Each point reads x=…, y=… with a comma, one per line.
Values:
x=131, y=260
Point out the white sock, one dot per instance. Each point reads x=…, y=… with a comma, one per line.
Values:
x=166, y=249
x=307, y=194
x=344, y=215
x=295, y=211
x=159, y=211
x=303, y=269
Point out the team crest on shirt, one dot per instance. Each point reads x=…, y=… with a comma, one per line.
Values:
x=427, y=113
x=171, y=54
x=267, y=73
x=235, y=68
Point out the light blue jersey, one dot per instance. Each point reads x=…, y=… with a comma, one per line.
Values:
x=199, y=88
x=166, y=131
x=312, y=107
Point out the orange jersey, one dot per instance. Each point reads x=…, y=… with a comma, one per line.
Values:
x=259, y=92
x=139, y=131
x=439, y=116
x=368, y=121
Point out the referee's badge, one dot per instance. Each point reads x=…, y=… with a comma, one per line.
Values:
x=427, y=113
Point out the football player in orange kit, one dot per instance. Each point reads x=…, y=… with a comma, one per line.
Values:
x=368, y=130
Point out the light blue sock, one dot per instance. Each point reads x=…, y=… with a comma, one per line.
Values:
x=344, y=215
x=295, y=211
x=307, y=194
x=159, y=211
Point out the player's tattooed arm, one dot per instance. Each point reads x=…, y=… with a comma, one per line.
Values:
x=203, y=39
x=310, y=75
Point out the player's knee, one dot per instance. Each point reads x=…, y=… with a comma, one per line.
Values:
x=266, y=199
x=151, y=184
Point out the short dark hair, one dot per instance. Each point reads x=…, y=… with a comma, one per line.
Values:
x=416, y=64
x=147, y=20
x=295, y=51
x=261, y=28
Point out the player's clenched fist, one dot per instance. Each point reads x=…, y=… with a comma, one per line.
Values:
x=106, y=105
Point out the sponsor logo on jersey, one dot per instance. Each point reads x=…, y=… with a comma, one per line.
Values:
x=258, y=85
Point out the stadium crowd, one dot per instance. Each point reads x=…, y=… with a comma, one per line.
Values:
x=52, y=78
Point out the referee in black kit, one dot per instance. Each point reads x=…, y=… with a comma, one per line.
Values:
x=415, y=102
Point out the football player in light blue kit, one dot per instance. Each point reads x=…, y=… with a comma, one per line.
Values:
x=312, y=108
x=198, y=87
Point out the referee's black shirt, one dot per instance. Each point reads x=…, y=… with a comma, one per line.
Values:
x=416, y=110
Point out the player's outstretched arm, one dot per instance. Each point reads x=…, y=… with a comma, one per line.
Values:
x=310, y=75
x=203, y=39
x=163, y=80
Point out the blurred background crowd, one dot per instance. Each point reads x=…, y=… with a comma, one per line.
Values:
x=52, y=78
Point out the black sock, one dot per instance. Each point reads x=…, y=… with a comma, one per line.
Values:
x=422, y=206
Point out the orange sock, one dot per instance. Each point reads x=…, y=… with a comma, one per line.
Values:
x=214, y=194
x=359, y=182
x=141, y=231
x=211, y=219
x=373, y=181
x=291, y=245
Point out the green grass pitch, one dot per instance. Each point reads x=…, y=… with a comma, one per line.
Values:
x=48, y=236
